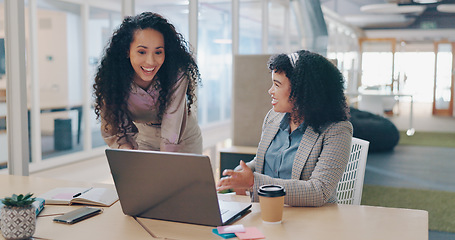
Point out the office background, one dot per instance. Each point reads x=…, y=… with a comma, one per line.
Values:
x=63, y=42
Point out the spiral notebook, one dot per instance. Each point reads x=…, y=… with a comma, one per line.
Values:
x=102, y=197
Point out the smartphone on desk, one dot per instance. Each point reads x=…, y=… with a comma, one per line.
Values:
x=78, y=215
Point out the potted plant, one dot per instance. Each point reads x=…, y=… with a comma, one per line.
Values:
x=18, y=217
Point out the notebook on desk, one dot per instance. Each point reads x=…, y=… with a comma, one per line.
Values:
x=170, y=186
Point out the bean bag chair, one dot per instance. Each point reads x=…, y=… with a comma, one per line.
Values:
x=382, y=134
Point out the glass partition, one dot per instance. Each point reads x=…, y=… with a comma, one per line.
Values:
x=295, y=34
x=283, y=33
x=215, y=61
x=102, y=23
x=377, y=76
x=59, y=63
x=250, y=30
x=278, y=26
x=62, y=74
x=3, y=136
x=343, y=49
x=416, y=68
x=174, y=11
x=443, y=80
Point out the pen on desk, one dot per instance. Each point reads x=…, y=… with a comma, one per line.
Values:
x=78, y=194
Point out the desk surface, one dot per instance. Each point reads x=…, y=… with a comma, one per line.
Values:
x=111, y=224
x=327, y=222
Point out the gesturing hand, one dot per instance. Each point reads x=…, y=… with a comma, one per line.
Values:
x=241, y=179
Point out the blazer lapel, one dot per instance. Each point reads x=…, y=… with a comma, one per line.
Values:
x=309, y=138
x=270, y=131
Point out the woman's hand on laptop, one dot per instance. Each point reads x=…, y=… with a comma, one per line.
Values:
x=241, y=179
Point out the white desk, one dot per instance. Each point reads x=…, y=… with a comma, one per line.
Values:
x=111, y=224
x=328, y=222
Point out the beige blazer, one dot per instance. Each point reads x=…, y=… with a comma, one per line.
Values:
x=318, y=164
x=178, y=131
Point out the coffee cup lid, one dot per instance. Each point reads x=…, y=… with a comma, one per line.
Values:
x=271, y=190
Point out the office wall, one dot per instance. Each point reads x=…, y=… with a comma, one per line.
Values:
x=52, y=65
x=52, y=58
x=251, y=101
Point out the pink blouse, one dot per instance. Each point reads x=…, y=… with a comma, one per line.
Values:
x=143, y=109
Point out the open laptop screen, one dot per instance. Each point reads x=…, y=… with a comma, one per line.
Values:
x=168, y=186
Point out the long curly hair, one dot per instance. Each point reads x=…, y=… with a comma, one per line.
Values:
x=115, y=72
x=317, y=88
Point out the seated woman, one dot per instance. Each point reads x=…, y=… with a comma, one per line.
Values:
x=306, y=137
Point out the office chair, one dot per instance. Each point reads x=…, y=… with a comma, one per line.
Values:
x=349, y=189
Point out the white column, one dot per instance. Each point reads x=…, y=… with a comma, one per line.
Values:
x=35, y=108
x=17, y=124
x=235, y=28
x=193, y=12
x=128, y=8
x=287, y=26
x=193, y=25
x=86, y=80
x=265, y=26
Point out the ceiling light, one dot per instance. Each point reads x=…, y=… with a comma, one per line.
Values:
x=448, y=8
x=426, y=1
x=379, y=21
x=390, y=8
x=223, y=41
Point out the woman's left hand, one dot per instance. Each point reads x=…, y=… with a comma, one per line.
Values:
x=242, y=179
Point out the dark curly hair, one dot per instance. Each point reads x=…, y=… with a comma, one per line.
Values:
x=317, y=88
x=115, y=73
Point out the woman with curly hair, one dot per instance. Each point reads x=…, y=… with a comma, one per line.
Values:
x=306, y=136
x=145, y=88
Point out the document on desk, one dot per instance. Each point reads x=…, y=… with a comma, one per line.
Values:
x=103, y=197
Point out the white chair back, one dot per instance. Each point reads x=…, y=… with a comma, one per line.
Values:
x=349, y=189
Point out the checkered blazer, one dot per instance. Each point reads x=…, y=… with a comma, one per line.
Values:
x=318, y=164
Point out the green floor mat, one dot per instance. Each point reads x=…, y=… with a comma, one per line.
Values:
x=439, y=204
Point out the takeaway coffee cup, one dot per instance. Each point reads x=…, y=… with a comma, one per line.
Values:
x=271, y=200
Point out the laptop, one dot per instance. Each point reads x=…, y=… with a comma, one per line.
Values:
x=177, y=187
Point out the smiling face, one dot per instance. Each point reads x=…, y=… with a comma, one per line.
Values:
x=146, y=55
x=280, y=92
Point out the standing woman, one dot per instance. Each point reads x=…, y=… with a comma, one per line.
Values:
x=306, y=138
x=145, y=88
